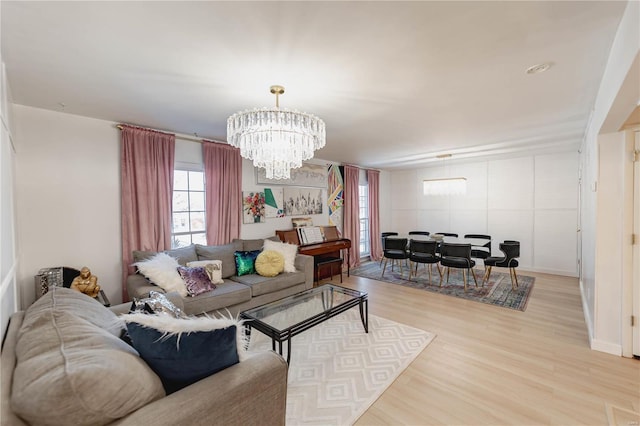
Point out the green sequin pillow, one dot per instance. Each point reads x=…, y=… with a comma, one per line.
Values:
x=245, y=262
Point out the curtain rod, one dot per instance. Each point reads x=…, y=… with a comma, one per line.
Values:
x=177, y=135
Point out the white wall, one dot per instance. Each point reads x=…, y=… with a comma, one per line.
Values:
x=9, y=294
x=68, y=197
x=603, y=308
x=532, y=199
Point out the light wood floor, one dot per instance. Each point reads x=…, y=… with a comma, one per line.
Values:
x=495, y=366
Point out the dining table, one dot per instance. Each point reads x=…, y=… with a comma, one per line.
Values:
x=475, y=242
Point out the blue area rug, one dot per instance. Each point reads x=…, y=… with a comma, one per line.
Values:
x=497, y=291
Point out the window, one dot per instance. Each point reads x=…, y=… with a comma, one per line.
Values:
x=365, y=247
x=188, y=220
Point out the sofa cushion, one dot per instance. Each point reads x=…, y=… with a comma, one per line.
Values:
x=196, y=279
x=71, y=371
x=289, y=252
x=183, y=255
x=183, y=351
x=162, y=270
x=250, y=245
x=85, y=307
x=223, y=253
x=213, y=268
x=263, y=285
x=269, y=263
x=246, y=261
x=228, y=294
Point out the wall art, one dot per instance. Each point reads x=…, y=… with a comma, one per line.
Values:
x=274, y=202
x=311, y=175
x=335, y=196
x=253, y=207
x=301, y=201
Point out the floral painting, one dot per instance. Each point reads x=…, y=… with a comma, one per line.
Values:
x=253, y=207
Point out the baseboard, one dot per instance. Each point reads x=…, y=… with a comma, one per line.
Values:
x=610, y=348
x=548, y=271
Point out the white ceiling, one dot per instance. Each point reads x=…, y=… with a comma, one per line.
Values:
x=396, y=82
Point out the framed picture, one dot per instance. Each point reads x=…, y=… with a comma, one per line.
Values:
x=274, y=202
x=301, y=222
x=310, y=175
x=302, y=201
x=253, y=207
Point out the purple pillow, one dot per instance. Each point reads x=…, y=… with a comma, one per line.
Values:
x=196, y=280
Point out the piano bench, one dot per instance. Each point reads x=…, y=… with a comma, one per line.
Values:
x=321, y=262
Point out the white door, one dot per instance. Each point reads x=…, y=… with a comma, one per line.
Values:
x=636, y=247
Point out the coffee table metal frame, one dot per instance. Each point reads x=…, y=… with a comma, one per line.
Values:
x=327, y=292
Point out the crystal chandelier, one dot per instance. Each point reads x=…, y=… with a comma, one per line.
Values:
x=276, y=139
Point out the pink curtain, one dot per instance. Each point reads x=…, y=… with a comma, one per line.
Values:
x=223, y=177
x=373, y=179
x=352, y=212
x=147, y=158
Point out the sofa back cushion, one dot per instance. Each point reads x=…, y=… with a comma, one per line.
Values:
x=225, y=253
x=183, y=254
x=70, y=370
x=251, y=245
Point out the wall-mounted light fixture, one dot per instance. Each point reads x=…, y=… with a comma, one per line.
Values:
x=445, y=186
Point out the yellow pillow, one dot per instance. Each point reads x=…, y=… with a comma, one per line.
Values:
x=269, y=263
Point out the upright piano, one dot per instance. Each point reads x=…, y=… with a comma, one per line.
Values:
x=331, y=246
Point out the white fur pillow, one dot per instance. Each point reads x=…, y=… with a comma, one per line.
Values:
x=288, y=251
x=162, y=270
x=213, y=268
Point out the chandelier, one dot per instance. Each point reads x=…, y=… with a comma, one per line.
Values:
x=445, y=186
x=276, y=139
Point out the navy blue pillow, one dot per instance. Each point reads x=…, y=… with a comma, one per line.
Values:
x=192, y=357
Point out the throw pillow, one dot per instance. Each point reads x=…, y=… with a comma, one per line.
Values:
x=162, y=270
x=196, y=279
x=269, y=263
x=213, y=268
x=245, y=262
x=156, y=303
x=183, y=351
x=289, y=252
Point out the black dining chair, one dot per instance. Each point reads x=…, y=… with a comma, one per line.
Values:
x=419, y=233
x=396, y=250
x=457, y=256
x=423, y=252
x=483, y=251
x=383, y=236
x=511, y=250
x=447, y=234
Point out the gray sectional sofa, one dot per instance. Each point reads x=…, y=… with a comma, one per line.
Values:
x=63, y=363
x=238, y=293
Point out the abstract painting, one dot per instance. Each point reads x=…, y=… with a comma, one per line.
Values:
x=274, y=202
x=335, y=196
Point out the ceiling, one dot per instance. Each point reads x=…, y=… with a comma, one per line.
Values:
x=397, y=83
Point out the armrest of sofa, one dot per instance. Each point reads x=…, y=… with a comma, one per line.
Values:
x=138, y=286
x=305, y=263
x=252, y=392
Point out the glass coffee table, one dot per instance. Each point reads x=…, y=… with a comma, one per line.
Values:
x=282, y=319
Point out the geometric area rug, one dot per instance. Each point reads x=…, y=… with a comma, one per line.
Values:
x=496, y=292
x=337, y=371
